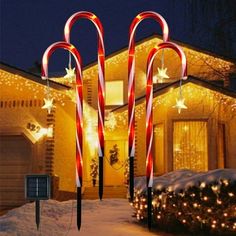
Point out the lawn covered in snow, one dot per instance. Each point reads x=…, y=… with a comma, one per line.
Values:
x=110, y=217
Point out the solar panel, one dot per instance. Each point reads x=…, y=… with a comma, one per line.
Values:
x=37, y=187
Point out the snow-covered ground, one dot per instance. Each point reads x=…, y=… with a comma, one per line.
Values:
x=110, y=217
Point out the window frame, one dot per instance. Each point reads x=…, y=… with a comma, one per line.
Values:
x=225, y=142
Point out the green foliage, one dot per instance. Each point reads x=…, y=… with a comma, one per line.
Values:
x=207, y=209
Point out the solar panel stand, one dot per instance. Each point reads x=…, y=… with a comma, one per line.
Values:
x=37, y=187
x=37, y=213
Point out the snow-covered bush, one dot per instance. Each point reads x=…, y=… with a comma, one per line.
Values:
x=186, y=200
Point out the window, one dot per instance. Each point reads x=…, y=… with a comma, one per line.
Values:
x=158, y=149
x=190, y=145
x=114, y=93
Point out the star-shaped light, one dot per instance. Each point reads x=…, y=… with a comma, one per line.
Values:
x=70, y=74
x=162, y=74
x=180, y=104
x=48, y=104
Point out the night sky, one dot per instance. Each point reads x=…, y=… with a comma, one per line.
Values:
x=28, y=27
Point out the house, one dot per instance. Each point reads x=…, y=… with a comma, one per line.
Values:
x=27, y=139
x=200, y=137
x=211, y=77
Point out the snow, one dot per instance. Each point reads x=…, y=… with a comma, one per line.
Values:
x=183, y=179
x=110, y=217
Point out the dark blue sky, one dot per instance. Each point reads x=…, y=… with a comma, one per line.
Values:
x=28, y=27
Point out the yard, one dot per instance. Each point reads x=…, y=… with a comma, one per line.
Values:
x=111, y=217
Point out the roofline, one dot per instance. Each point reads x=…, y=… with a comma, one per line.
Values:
x=33, y=77
x=158, y=91
x=123, y=49
x=153, y=36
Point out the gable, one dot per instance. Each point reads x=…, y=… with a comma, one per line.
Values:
x=200, y=64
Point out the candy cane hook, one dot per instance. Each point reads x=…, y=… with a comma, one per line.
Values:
x=131, y=84
x=79, y=112
x=149, y=124
x=101, y=81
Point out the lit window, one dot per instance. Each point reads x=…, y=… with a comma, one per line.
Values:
x=114, y=93
x=190, y=145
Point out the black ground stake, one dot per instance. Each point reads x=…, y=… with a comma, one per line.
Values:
x=37, y=213
x=149, y=203
x=79, y=196
x=100, y=177
x=131, y=178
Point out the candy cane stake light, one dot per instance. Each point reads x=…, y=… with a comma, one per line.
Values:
x=149, y=124
x=101, y=81
x=79, y=113
x=131, y=85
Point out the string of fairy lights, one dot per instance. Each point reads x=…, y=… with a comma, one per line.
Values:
x=202, y=207
x=52, y=95
x=204, y=64
x=194, y=95
x=195, y=58
x=26, y=87
x=119, y=119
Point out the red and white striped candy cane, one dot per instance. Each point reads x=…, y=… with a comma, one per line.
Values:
x=79, y=112
x=101, y=81
x=79, y=99
x=149, y=124
x=131, y=82
x=149, y=98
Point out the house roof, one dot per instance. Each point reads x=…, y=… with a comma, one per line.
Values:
x=154, y=35
x=163, y=88
x=200, y=65
x=143, y=40
x=31, y=76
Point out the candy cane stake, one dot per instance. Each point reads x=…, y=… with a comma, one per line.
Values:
x=131, y=85
x=149, y=124
x=101, y=82
x=79, y=113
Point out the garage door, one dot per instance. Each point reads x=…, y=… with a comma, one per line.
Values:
x=15, y=158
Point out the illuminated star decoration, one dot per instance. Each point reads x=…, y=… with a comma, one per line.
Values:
x=162, y=74
x=180, y=104
x=70, y=74
x=48, y=104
